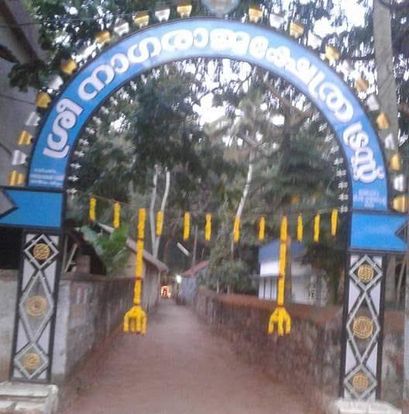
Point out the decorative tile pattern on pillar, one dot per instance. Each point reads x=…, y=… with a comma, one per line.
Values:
x=363, y=327
x=36, y=308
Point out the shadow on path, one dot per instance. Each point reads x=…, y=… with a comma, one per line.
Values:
x=179, y=367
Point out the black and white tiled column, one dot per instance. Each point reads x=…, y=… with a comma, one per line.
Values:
x=36, y=307
x=363, y=320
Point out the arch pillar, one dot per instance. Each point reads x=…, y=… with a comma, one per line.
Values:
x=37, y=296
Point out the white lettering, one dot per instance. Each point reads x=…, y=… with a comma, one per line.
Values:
x=258, y=47
x=363, y=162
x=177, y=40
x=89, y=87
x=221, y=39
x=241, y=43
x=66, y=119
x=143, y=49
x=120, y=63
x=200, y=37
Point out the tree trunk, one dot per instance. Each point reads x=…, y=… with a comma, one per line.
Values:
x=155, y=247
x=194, y=254
x=152, y=206
x=245, y=193
x=384, y=66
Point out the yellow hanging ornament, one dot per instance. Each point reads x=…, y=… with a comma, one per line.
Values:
x=300, y=228
x=317, y=220
x=236, y=230
x=334, y=222
x=141, y=223
x=137, y=292
x=139, y=259
x=208, y=227
x=117, y=215
x=262, y=228
x=135, y=320
x=159, y=223
x=186, y=226
x=284, y=229
x=280, y=320
x=92, y=208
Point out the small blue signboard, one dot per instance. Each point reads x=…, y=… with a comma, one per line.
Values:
x=377, y=232
x=32, y=209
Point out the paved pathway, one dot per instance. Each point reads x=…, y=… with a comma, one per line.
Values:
x=180, y=367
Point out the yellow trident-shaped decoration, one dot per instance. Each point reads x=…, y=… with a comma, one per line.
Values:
x=135, y=320
x=280, y=319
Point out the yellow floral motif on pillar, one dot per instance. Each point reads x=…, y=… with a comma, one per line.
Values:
x=208, y=227
x=280, y=320
x=117, y=215
x=236, y=230
x=92, y=208
x=262, y=228
x=186, y=226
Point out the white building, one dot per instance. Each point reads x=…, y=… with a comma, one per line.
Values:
x=308, y=286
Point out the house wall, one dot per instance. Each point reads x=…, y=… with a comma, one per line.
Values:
x=8, y=292
x=303, y=280
x=267, y=288
x=269, y=268
x=151, y=288
x=300, y=290
x=187, y=290
x=15, y=106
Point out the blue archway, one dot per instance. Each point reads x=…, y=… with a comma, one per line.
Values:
x=373, y=226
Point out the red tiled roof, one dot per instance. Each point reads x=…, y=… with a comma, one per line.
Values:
x=195, y=269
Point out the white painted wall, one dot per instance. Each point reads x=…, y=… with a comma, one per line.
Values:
x=267, y=288
x=303, y=278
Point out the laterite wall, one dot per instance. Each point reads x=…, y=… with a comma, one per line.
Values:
x=307, y=359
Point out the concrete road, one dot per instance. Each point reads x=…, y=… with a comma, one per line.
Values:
x=179, y=367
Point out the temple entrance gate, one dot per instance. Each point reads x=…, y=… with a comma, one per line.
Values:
x=39, y=206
